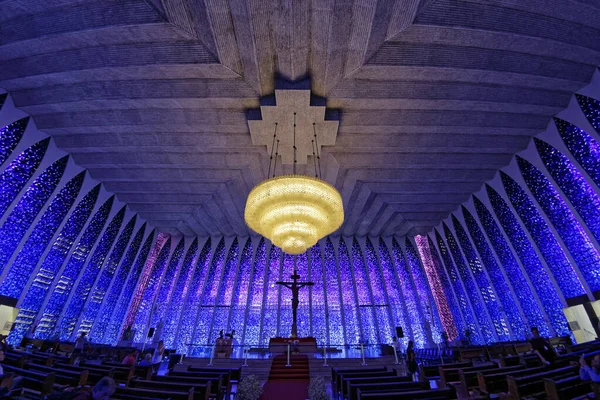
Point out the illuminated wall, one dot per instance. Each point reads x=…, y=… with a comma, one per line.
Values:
x=528, y=244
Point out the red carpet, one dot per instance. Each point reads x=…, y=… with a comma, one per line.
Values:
x=289, y=383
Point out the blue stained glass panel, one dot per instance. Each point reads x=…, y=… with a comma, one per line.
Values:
x=251, y=332
x=369, y=324
x=318, y=296
x=209, y=293
x=97, y=295
x=540, y=280
x=349, y=296
x=584, y=148
x=173, y=314
x=148, y=297
x=380, y=298
x=88, y=277
x=241, y=291
x=113, y=331
x=16, y=175
x=102, y=320
x=69, y=275
x=334, y=305
x=582, y=250
x=485, y=325
x=36, y=294
x=393, y=288
x=271, y=297
x=222, y=299
x=459, y=291
x=423, y=291
x=572, y=183
x=284, y=327
x=10, y=136
x=591, y=110
x=24, y=264
x=521, y=287
x=192, y=302
x=304, y=304
x=485, y=288
x=417, y=322
x=165, y=288
x=557, y=261
x=517, y=324
x=22, y=215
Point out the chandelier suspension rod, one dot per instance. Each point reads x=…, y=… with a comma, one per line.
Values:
x=317, y=146
x=275, y=161
x=294, y=167
x=272, y=148
x=312, y=142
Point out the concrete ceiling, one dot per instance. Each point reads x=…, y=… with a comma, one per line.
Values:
x=435, y=95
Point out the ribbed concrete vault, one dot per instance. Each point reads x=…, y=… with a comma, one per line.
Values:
x=435, y=95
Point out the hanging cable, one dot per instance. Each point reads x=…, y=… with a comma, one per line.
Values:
x=317, y=146
x=294, y=166
x=272, y=148
x=312, y=142
x=275, y=162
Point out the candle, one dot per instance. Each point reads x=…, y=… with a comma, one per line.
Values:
x=181, y=359
x=245, y=359
x=325, y=356
x=362, y=352
x=212, y=354
x=288, y=357
x=396, y=356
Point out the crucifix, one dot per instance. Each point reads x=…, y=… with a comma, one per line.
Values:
x=295, y=287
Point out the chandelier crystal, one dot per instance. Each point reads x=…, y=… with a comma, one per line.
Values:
x=294, y=211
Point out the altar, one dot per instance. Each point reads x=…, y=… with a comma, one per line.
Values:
x=297, y=345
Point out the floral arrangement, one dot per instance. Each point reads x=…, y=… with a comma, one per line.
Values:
x=317, y=389
x=249, y=388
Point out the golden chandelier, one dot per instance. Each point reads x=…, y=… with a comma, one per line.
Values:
x=294, y=211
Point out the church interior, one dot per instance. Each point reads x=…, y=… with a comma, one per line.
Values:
x=300, y=199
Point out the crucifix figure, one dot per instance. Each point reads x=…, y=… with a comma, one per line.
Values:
x=295, y=287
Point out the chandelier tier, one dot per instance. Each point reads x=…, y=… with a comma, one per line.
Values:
x=294, y=211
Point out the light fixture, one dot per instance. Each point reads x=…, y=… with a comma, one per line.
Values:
x=294, y=211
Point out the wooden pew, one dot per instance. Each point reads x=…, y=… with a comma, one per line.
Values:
x=201, y=391
x=136, y=393
x=339, y=384
x=336, y=371
x=121, y=373
x=381, y=387
x=94, y=374
x=429, y=372
x=347, y=382
x=565, y=388
x=494, y=381
x=15, y=360
x=451, y=374
x=235, y=374
x=216, y=387
x=225, y=382
x=533, y=384
x=38, y=382
x=142, y=372
x=431, y=394
x=63, y=376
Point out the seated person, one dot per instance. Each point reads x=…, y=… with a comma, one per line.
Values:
x=587, y=373
x=130, y=358
x=147, y=361
x=101, y=391
x=542, y=347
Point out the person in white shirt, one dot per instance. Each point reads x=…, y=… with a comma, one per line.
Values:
x=157, y=356
x=397, y=345
x=80, y=343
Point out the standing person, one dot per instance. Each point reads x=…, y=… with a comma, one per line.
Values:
x=411, y=359
x=157, y=356
x=542, y=347
x=80, y=343
x=397, y=345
